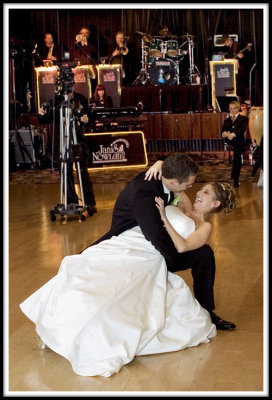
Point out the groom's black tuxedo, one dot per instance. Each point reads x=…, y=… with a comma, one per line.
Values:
x=136, y=206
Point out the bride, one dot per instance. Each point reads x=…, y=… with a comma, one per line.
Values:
x=116, y=300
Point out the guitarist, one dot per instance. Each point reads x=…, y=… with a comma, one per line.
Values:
x=245, y=59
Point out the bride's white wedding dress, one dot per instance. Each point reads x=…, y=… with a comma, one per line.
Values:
x=116, y=300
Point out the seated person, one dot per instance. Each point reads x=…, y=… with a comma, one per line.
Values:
x=100, y=98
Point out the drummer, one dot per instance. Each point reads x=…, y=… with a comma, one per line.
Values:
x=164, y=32
x=168, y=42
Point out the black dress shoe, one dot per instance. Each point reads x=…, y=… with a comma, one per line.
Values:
x=221, y=324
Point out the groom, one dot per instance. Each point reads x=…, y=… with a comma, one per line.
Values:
x=136, y=206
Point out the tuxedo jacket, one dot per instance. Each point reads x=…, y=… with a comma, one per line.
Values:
x=239, y=127
x=136, y=206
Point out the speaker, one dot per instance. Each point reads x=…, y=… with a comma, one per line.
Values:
x=222, y=102
x=22, y=143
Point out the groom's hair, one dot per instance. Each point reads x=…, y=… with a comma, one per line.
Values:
x=179, y=166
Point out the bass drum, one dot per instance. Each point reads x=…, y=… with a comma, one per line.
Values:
x=255, y=124
x=163, y=72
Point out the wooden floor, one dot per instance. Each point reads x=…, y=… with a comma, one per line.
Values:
x=231, y=362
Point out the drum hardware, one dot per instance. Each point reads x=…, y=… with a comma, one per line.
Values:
x=193, y=74
x=145, y=36
x=143, y=76
x=155, y=48
x=163, y=71
x=188, y=36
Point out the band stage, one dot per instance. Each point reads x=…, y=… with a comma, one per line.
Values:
x=171, y=98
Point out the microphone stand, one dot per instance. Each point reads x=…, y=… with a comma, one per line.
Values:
x=82, y=49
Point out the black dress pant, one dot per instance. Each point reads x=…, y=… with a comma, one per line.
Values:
x=202, y=263
x=236, y=164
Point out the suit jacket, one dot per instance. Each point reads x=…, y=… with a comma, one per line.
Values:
x=42, y=52
x=239, y=127
x=136, y=206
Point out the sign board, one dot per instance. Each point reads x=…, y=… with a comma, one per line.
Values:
x=46, y=84
x=223, y=77
x=110, y=77
x=116, y=149
x=82, y=80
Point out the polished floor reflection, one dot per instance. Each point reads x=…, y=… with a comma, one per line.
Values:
x=232, y=361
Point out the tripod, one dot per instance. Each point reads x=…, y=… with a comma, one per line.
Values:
x=68, y=154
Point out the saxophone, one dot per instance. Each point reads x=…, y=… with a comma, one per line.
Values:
x=49, y=55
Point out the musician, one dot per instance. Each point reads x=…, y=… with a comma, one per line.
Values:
x=124, y=53
x=245, y=59
x=47, y=50
x=164, y=31
x=100, y=98
x=85, y=53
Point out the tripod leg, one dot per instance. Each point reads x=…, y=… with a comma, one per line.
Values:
x=78, y=167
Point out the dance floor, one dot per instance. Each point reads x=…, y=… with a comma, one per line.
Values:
x=231, y=362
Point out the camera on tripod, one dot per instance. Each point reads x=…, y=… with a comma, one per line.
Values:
x=65, y=80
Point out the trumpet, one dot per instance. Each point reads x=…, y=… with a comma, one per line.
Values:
x=80, y=38
x=124, y=50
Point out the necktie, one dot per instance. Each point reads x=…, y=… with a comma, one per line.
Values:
x=172, y=197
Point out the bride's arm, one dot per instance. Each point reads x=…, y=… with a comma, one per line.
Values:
x=197, y=239
x=154, y=171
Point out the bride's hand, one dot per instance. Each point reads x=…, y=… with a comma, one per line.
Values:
x=160, y=205
x=154, y=171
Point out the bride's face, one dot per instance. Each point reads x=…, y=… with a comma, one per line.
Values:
x=205, y=199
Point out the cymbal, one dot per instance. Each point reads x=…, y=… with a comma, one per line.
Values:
x=188, y=35
x=165, y=38
x=146, y=37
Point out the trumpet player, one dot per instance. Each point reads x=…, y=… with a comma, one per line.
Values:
x=84, y=52
x=121, y=55
x=121, y=48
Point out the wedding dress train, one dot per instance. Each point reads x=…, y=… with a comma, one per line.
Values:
x=116, y=300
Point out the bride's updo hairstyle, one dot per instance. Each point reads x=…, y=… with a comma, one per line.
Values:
x=224, y=193
x=179, y=166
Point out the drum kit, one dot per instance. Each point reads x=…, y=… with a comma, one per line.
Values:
x=164, y=62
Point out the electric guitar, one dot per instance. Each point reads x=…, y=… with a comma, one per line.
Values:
x=248, y=47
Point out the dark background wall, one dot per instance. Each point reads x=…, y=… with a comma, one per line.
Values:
x=27, y=26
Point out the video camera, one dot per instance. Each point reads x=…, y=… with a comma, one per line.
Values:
x=65, y=80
